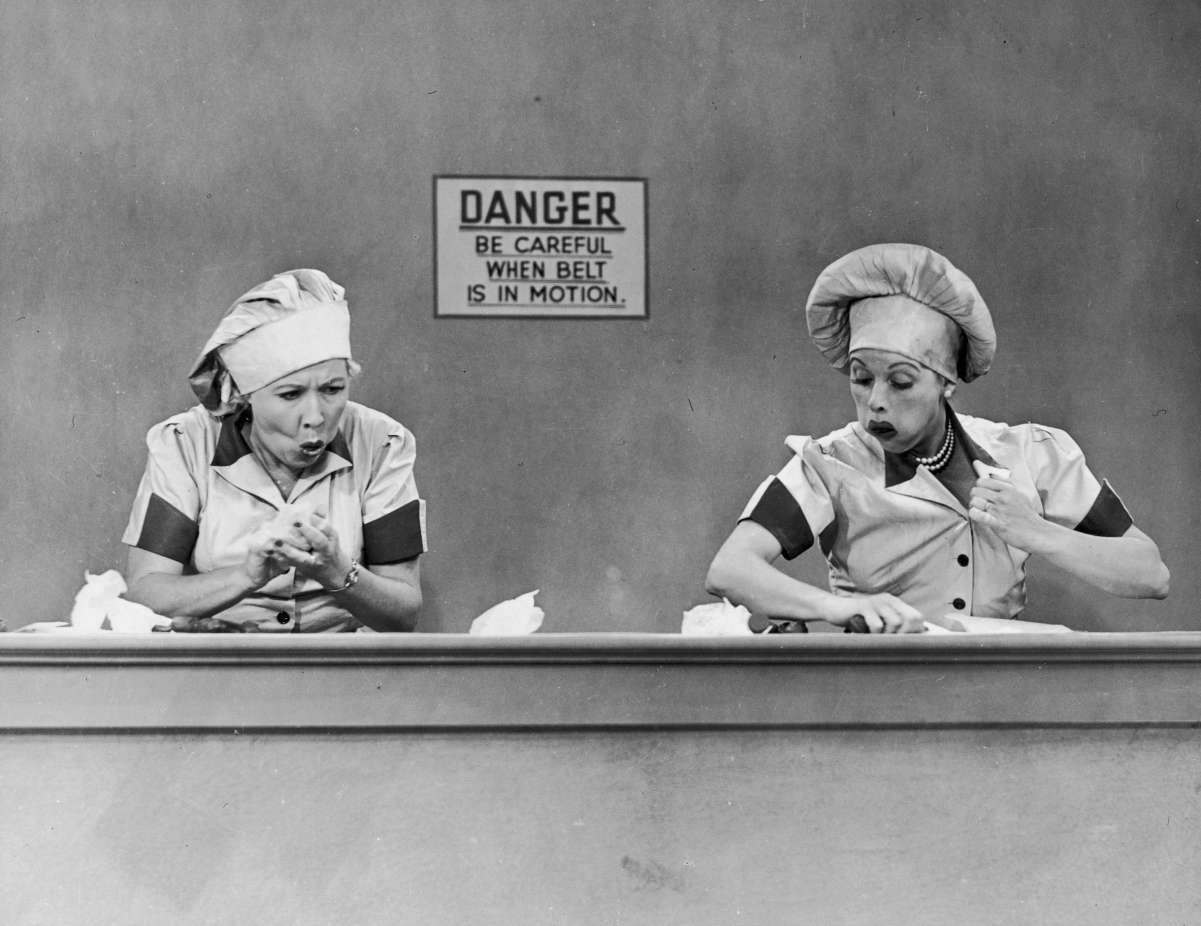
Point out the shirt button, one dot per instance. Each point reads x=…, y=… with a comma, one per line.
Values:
x=963, y=560
x=283, y=617
x=959, y=604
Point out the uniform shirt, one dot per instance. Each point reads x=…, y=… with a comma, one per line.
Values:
x=886, y=525
x=204, y=494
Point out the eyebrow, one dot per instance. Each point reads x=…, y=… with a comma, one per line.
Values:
x=329, y=382
x=906, y=364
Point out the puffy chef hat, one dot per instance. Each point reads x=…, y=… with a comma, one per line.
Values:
x=290, y=322
x=906, y=299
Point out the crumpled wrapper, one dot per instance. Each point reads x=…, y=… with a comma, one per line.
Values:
x=91, y=603
x=131, y=617
x=511, y=618
x=973, y=624
x=100, y=598
x=719, y=619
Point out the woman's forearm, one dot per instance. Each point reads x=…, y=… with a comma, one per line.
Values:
x=381, y=603
x=1128, y=566
x=202, y=595
x=748, y=580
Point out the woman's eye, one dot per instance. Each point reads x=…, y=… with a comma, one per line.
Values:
x=861, y=382
x=288, y=396
x=901, y=384
x=333, y=390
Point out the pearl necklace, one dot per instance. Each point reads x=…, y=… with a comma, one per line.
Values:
x=938, y=462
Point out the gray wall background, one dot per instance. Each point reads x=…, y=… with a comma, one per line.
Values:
x=159, y=159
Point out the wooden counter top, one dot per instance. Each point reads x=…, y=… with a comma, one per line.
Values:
x=581, y=681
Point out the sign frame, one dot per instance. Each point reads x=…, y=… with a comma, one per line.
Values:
x=646, y=275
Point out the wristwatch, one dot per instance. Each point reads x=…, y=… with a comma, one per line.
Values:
x=351, y=578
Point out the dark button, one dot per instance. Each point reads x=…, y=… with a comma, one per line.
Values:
x=963, y=560
x=283, y=617
x=959, y=604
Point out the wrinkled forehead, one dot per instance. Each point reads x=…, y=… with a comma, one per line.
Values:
x=879, y=362
x=900, y=325
x=316, y=374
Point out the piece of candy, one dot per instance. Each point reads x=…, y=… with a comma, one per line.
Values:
x=214, y=625
x=857, y=624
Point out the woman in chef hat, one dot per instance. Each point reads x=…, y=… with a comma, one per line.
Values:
x=277, y=502
x=920, y=512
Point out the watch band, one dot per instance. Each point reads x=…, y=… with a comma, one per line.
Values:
x=351, y=578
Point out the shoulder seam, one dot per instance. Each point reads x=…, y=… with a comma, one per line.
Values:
x=372, y=419
x=184, y=422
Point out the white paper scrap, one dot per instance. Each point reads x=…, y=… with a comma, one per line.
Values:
x=718, y=619
x=511, y=618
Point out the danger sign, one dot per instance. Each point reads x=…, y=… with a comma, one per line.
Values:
x=540, y=247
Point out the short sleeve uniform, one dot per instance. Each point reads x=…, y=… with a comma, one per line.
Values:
x=886, y=526
x=203, y=494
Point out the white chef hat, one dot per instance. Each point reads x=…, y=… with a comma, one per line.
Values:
x=292, y=321
x=906, y=299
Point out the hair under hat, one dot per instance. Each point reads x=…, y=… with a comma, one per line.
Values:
x=903, y=298
x=292, y=321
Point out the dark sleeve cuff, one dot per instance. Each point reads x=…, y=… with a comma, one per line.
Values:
x=395, y=537
x=167, y=531
x=779, y=512
x=1108, y=517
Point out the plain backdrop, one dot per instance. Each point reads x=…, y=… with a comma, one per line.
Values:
x=160, y=159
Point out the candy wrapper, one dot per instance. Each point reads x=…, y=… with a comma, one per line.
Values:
x=720, y=619
x=131, y=617
x=514, y=617
x=100, y=598
x=91, y=603
x=971, y=624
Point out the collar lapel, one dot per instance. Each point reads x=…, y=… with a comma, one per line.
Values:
x=897, y=469
x=335, y=458
x=234, y=462
x=903, y=477
x=231, y=445
x=926, y=486
x=974, y=450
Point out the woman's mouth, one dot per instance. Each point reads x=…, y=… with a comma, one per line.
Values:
x=881, y=429
x=312, y=448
